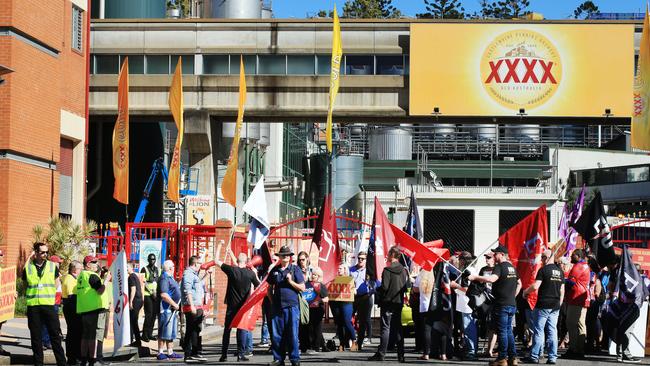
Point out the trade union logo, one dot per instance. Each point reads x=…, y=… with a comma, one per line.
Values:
x=521, y=69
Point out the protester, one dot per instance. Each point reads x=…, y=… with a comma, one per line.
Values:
x=57, y=304
x=423, y=286
x=193, y=293
x=303, y=329
x=238, y=289
x=394, y=282
x=577, y=295
x=317, y=296
x=549, y=283
x=342, y=311
x=414, y=304
x=103, y=316
x=287, y=281
x=592, y=320
x=136, y=300
x=505, y=287
x=72, y=319
x=486, y=320
x=469, y=330
x=42, y=279
x=363, y=299
x=151, y=300
x=170, y=297
x=89, y=305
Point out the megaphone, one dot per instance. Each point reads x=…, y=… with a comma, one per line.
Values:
x=208, y=265
x=256, y=261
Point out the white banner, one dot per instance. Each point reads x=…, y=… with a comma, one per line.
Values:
x=121, y=324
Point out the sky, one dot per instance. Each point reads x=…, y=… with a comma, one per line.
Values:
x=551, y=9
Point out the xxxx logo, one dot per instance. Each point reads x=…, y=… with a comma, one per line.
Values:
x=521, y=69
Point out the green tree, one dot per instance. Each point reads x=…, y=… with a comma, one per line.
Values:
x=586, y=10
x=370, y=9
x=505, y=9
x=324, y=14
x=65, y=239
x=443, y=9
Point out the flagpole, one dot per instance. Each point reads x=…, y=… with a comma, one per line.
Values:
x=483, y=252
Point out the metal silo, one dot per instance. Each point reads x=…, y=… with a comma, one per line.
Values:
x=390, y=143
x=237, y=9
x=348, y=173
x=116, y=9
x=250, y=130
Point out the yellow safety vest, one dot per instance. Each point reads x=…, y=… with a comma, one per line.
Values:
x=150, y=286
x=68, y=286
x=40, y=290
x=87, y=297
x=107, y=296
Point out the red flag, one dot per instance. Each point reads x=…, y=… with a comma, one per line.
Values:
x=247, y=315
x=435, y=244
x=423, y=256
x=382, y=239
x=327, y=240
x=525, y=242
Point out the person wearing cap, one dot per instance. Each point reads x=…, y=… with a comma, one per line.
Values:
x=287, y=281
x=42, y=279
x=151, y=301
x=469, y=330
x=57, y=304
x=89, y=305
x=578, y=299
x=72, y=319
x=505, y=287
x=238, y=289
x=549, y=283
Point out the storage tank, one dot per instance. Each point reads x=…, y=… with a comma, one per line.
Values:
x=249, y=130
x=390, y=143
x=265, y=134
x=237, y=9
x=119, y=9
x=482, y=132
x=444, y=129
x=348, y=172
x=522, y=132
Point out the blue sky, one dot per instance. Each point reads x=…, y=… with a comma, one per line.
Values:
x=552, y=9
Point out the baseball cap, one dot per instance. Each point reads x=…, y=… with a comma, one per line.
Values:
x=55, y=259
x=89, y=258
x=547, y=253
x=500, y=249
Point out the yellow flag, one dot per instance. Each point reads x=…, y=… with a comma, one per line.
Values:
x=121, y=137
x=337, y=54
x=229, y=184
x=176, y=107
x=640, y=115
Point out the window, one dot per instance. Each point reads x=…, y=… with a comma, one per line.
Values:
x=324, y=64
x=216, y=64
x=107, y=64
x=250, y=64
x=639, y=174
x=390, y=65
x=136, y=63
x=77, y=28
x=157, y=64
x=272, y=64
x=188, y=64
x=301, y=64
x=359, y=65
x=455, y=227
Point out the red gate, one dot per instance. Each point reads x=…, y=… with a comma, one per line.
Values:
x=633, y=232
x=164, y=232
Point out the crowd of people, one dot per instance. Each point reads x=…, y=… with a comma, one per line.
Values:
x=452, y=306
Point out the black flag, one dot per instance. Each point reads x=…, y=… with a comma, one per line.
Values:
x=594, y=229
x=413, y=223
x=630, y=286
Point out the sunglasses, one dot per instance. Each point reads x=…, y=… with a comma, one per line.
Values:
x=362, y=258
x=41, y=252
x=302, y=259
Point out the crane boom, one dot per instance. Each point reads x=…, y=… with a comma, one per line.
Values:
x=157, y=168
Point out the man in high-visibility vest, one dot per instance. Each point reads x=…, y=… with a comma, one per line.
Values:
x=89, y=305
x=151, y=301
x=42, y=279
x=72, y=319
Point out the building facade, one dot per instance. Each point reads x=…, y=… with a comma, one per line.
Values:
x=42, y=116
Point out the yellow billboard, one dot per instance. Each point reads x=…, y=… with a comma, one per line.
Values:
x=549, y=70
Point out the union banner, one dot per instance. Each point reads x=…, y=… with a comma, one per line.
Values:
x=341, y=289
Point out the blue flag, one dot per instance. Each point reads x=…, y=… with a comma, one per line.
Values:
x=630, y=286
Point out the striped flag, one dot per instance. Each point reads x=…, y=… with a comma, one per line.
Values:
x=176, y=108
x=229, y=184
x=121, y=137
x=337, y=55
x=640, y=115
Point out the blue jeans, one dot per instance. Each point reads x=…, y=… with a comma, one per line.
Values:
x=470, y=334
x=504, y=316
x=285, y=333
x=264, y=330
x=248, y=344
x=545, y=320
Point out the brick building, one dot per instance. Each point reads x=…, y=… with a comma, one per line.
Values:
x=42, y=116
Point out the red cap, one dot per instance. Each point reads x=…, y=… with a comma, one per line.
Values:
x=90, y=258
x=55, y=259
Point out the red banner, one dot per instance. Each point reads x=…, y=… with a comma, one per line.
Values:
x=420, y=254
x=327, y=241
x=247, y=315
x=525, y=242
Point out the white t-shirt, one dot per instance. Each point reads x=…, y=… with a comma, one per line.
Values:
x=462, y=302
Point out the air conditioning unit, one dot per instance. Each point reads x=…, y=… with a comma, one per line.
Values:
x=508, y=158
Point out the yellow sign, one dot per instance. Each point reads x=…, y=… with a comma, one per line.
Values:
x=199, y=210
x=556, y=70
x=341, y=289
x=7, y=293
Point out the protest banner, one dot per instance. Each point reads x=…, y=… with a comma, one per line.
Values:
x=7, y=293
x=341, y=289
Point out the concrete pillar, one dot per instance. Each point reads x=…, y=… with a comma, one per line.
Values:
x=273, y=168
x=198, y=142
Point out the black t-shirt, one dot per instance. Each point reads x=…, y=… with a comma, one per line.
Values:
x=134, y=281
x=552, y=279
x=239, y=285
x=486, y=271
x=505, y=287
